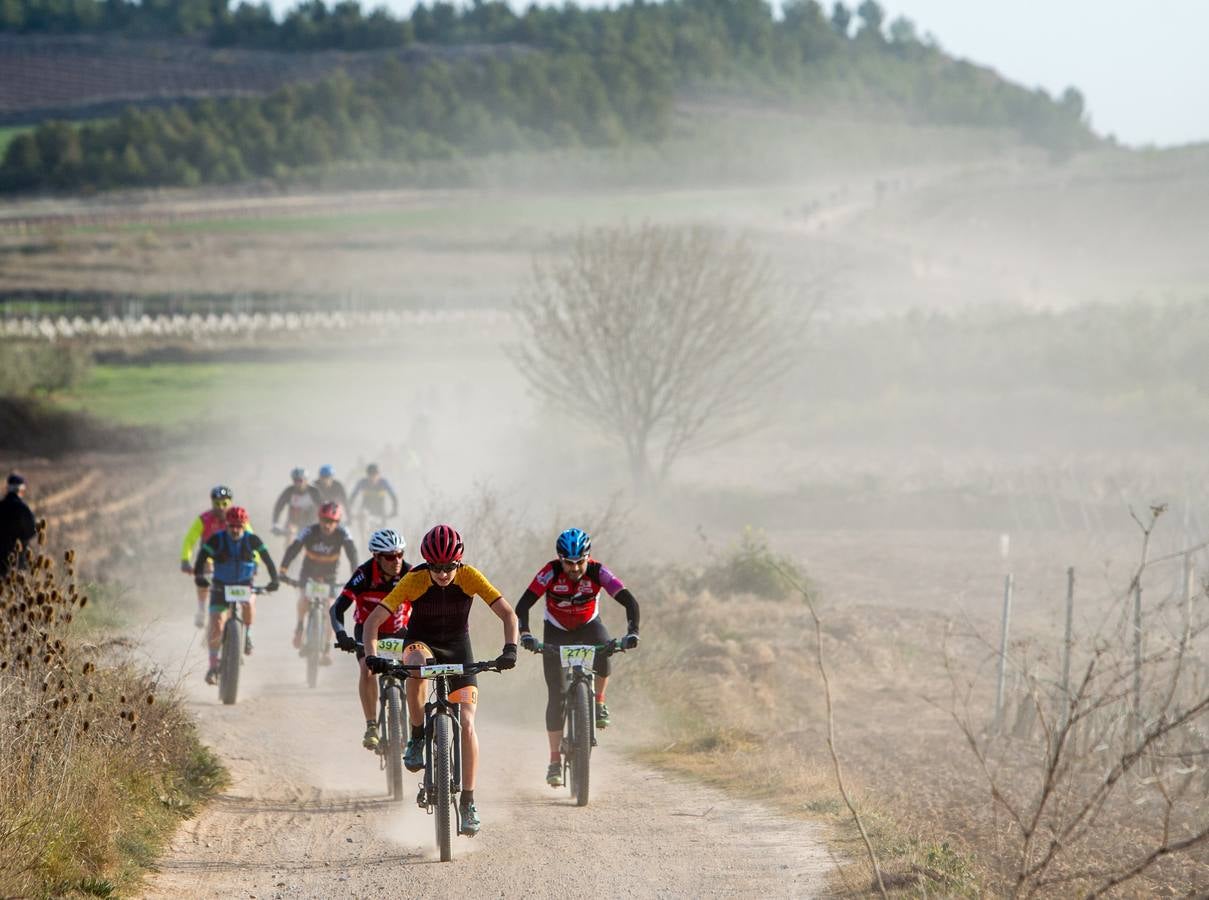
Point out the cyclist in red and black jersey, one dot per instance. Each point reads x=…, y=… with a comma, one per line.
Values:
x=372, y=581
x=571, y=585
x=322, y=543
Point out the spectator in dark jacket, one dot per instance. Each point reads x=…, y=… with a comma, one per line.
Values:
x=16, y=520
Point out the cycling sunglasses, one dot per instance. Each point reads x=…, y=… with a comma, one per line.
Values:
x=445, y=568
x=394, y=557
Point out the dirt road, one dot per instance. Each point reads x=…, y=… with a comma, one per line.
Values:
x=306, y=814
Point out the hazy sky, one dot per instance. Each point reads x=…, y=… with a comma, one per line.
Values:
x=1141, y=65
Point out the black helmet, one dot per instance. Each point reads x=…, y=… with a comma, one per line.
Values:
x=220, y=492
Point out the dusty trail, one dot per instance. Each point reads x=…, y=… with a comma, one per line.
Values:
x=306, y=814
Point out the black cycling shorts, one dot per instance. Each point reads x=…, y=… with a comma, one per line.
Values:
x=457, y=650
x=359, y=635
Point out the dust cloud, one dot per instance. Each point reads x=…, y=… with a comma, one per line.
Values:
x=997, y=344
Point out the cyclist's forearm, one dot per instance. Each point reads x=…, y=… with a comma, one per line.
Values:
x=369, y=634
x=290, y=552
x=626, y=599
x=192, y=539
x=523, y=605
x=507, y=615
x=268, y=564
x=339, y=608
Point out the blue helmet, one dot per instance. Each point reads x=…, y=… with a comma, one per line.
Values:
x=327, y=471
x=573, y=543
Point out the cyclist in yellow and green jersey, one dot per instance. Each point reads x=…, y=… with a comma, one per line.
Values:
x=203, y=528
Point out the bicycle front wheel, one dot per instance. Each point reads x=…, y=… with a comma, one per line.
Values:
x=394, y=743
x=442, y=751
x=229, y=663
x=581, y=742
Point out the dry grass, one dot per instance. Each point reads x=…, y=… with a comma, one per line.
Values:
x=751, y=720
x=97, y=761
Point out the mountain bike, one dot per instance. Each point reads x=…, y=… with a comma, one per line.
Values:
x=318, y=594
x=579, y=718
x=392, y=716
x=442, y=744
x=230, y=650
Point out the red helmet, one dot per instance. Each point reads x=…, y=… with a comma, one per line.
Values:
x=237, y=515
x=441, y=546
x=331, y=510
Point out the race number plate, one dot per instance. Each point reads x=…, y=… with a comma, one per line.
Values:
x=440, y=669
x=577, y=655
x=238, y=593
x=316, y=588
x=391, y=648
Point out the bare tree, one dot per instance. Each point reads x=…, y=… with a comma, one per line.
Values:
x=668, y=333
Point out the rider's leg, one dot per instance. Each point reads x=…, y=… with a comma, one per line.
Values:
x=553, y=673
x=367, y=688
x=218, y=616
x=601, y=682
x=301, y=607
x=414, y=656
x=470, y=744
x=203, y=601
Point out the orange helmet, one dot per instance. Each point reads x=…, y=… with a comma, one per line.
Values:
x=237, y=515
x=331, y=510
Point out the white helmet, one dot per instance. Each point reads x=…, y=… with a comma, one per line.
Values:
x=387, y=540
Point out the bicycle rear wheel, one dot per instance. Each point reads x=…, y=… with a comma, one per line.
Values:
x=394, y=743
x=314, y=642
x=581, y=742
x=442, y=751
x=230, y=661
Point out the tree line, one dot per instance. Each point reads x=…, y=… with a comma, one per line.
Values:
x=557, y=76
x=435, y=111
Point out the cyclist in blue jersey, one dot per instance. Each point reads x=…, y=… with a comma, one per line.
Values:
x=374, y=490
x=234, y=551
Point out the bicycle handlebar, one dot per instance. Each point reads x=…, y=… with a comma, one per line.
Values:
x=609, y=648
x=401, y=670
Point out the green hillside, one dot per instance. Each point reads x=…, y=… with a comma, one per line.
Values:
x=557, y=78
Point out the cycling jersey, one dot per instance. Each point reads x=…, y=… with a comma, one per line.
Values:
x=373, y=496
x=303, y=505
x=440, y=614
x=234, y=560
x=203, y=528
x=572, y=603
x=332, y=493
x=365, y=590
x=322, y=551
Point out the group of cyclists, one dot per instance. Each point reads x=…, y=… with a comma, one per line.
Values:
x=427, y=604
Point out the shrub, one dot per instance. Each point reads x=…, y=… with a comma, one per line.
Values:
x=751, y=567
x=97, y=760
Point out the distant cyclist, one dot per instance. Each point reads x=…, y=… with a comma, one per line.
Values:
x=441, y=592
x=330, y=490
x=234, y=551
x=302, y=501
x=372, y=581
x=202, y=529
x=571, y=584
x=321, y=544
x=374, y=490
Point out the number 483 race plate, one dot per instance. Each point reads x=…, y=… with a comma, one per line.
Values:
x=237, y=593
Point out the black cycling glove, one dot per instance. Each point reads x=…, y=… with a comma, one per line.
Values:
x=507, y=659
